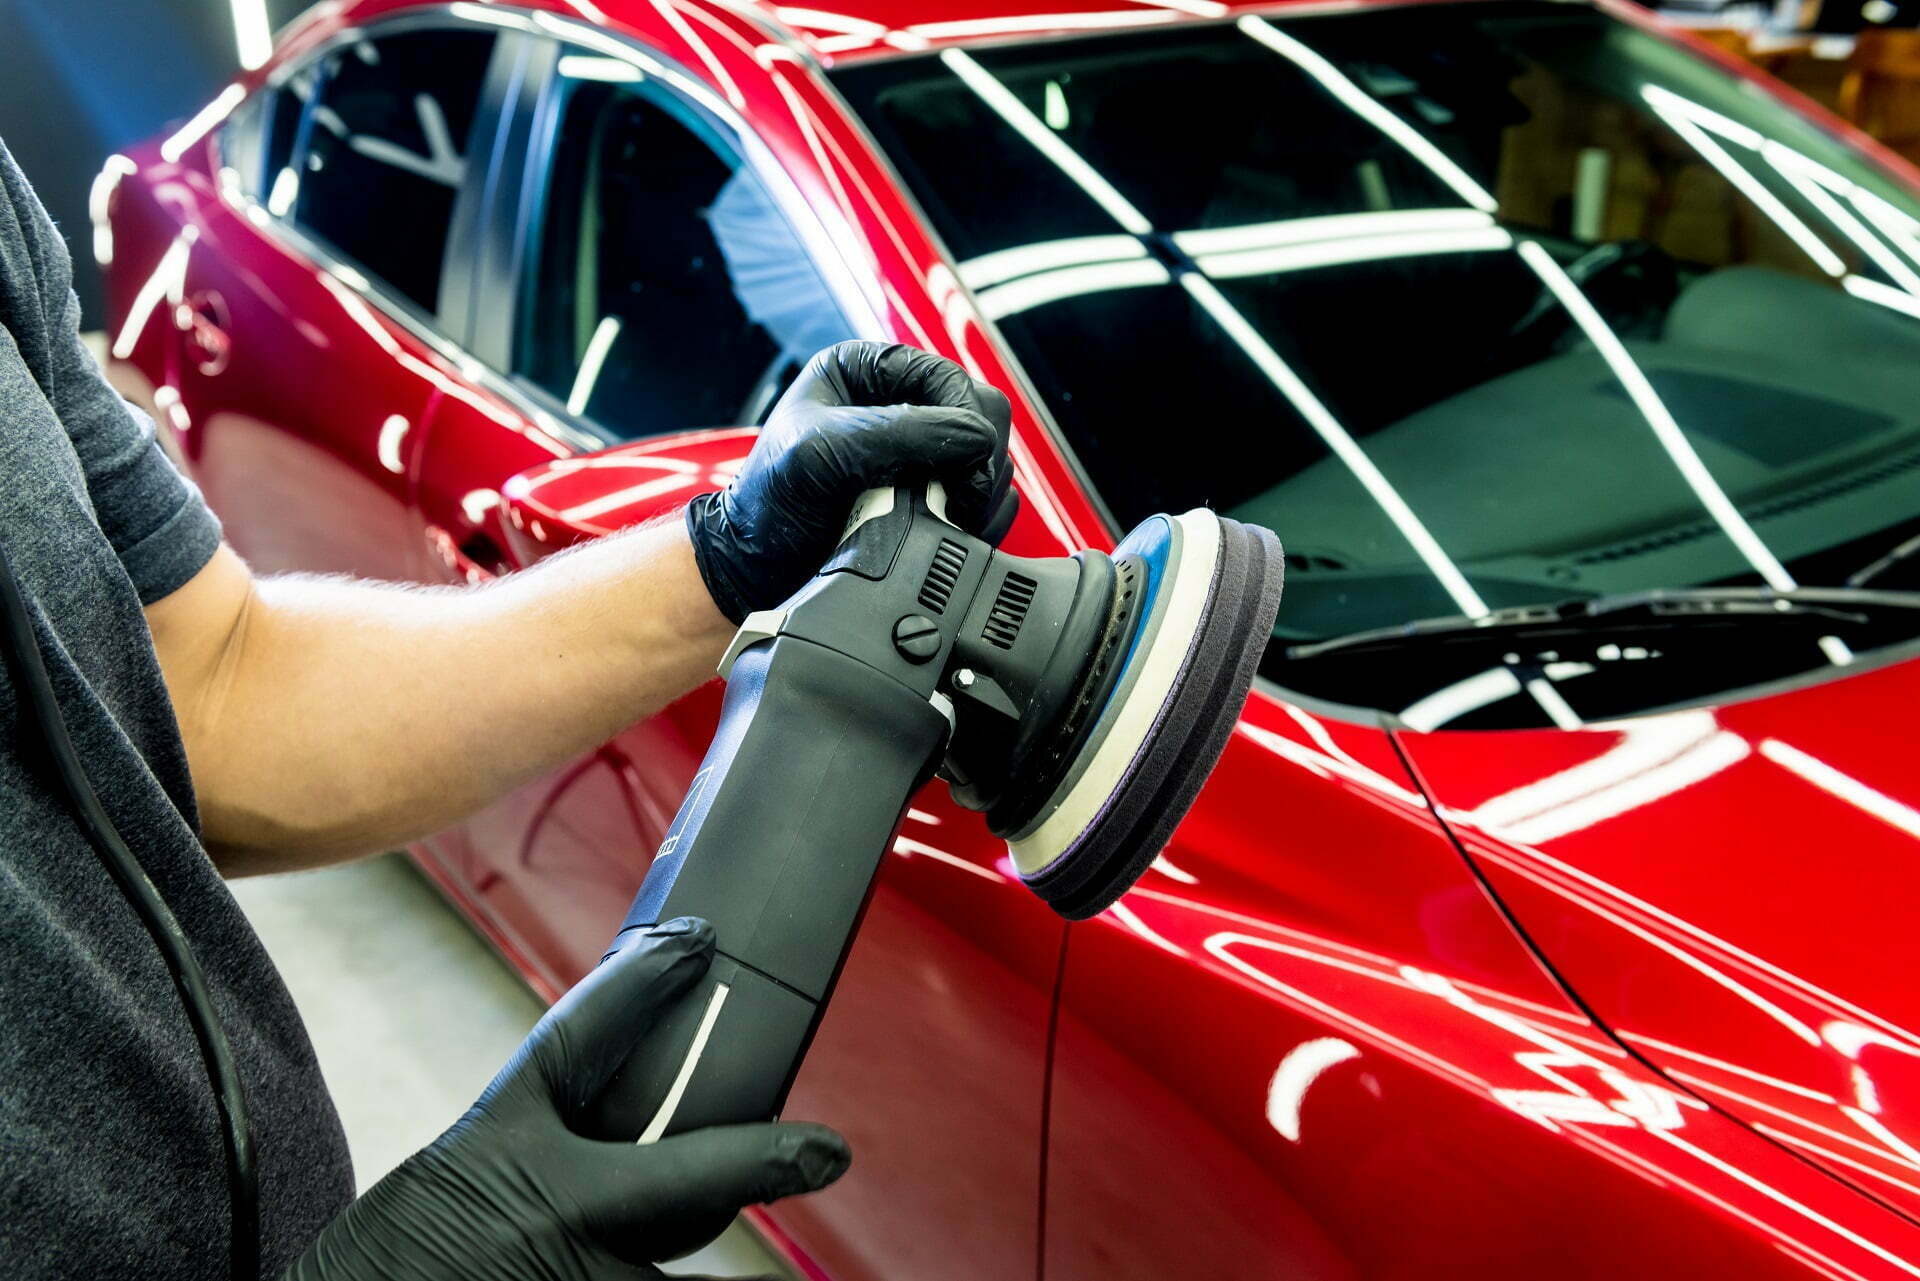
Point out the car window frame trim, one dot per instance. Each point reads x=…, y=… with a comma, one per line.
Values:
x=837, y=272
x=672, y=79
x=417, y=319
x=460, y=283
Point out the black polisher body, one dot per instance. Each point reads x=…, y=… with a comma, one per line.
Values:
x=1079, y=702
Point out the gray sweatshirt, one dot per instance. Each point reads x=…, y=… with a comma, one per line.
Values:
x=111, y=1162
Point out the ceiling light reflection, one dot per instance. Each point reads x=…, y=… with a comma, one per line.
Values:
x=1813, y=181
x=908, y=847
x=393, y=436
x=1654, y=410
x=1370, y=109
x=822, y=20
x=580, y=66
x=1167, y=869
x=1655, y=757
x=167, y=280
x=1343, y=445
x=1069, y=282
x=1685, y=117
x=202, y=123
x=1005, y=264
x=1450, y=702
x=485, y=13
x=1293, y=231
x=252, y=33
x=1894, y=224
x=1130, y=919
x=1844, y=786
x=1553, y=703
x=1885, y=295
x=582, y=513
x=1774, y=1194
x=1304, y=1064
x=1333, y=253
x=1048, y=143
x=591, y=364
x=99, y=201
x=286, y=189
x=1016, y=23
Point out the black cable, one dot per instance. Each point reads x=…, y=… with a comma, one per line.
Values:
x=243, y=1180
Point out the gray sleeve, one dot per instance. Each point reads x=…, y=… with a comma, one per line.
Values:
x=153, y=516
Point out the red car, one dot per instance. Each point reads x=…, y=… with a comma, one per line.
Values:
x=1555, y=911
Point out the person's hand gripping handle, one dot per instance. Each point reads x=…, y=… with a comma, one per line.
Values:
x=514, y=1191
x=860, y=416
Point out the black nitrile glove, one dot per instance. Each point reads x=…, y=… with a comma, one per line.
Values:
x=859, y=416
x=511, y=1193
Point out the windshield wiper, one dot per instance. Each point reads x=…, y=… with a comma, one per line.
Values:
x=1899, y=555
x=1656, y=610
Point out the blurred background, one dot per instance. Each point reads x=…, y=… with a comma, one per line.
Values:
x=80, y=79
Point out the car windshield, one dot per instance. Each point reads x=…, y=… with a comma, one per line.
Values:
x=1477, y=306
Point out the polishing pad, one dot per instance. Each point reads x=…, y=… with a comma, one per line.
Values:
x=1192, y=613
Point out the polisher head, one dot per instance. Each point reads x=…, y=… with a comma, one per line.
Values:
x=1161, y=645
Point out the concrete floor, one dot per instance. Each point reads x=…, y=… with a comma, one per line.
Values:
x=410, y=1012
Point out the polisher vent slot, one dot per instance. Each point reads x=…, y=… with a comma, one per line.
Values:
x=948, y=560
x=1009, y=610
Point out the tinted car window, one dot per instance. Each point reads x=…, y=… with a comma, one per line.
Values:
x=1478, y=306
x=667, y=290
x=385, y=153
x=257, y=141
x=243, y=141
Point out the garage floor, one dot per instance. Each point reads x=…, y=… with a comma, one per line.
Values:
x=410, y=1012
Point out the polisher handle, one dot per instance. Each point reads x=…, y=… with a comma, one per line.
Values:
x=777, y=844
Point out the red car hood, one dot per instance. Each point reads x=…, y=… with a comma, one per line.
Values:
x=1735, y=892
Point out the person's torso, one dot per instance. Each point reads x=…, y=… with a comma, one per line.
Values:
x=111, y=1160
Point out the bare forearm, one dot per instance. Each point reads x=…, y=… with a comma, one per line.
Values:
x=345, y=717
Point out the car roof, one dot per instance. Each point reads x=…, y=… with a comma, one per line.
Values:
x=858, y=30
x=879, y=28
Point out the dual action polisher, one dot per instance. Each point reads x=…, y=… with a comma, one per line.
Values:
x=1078, y=702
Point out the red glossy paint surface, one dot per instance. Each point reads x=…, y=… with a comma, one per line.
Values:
x=1732, y=891
x=558, y=504
x=1310, y=1043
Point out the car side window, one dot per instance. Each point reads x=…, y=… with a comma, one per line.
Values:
x=666, y=289
x=243, y=140
x=385, y=147
x=257, y=140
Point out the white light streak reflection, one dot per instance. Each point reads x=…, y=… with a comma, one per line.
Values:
x=168, y=280
x=202, y=123
x=1844, y=786
x=591, y=363
x=1046, y=141
x=1021, y=260
x=1304, y=1064
x=1370, y=109
x=252, y=33
x=1654, y=411
x=100, y=200
x=908, y=847
x=1343, y=445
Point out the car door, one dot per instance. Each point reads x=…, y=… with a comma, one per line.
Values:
x=308, y=305
x=661, y=289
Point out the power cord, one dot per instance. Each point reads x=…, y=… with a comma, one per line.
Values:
x=28, y=665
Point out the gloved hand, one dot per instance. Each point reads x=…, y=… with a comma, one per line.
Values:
x=860, y=415
x=510, y=1193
